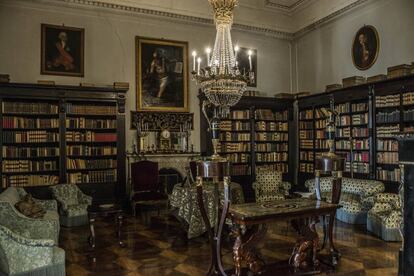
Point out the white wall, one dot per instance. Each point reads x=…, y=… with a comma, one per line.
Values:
x=324, y=54
x=110, y=43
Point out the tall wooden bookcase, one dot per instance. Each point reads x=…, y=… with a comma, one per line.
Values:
x=258, y=132
x=63, y=134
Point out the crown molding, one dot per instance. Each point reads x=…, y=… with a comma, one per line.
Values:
x=289, y=9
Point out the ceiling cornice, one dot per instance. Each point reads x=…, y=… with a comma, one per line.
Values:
x=271, y=32
x=286, y=8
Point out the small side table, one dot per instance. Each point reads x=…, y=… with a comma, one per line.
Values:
x=100, y=211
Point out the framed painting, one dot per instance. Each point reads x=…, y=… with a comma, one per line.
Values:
x=365, y=47
x=62, y=51
x=162, y=75
x=247, y=62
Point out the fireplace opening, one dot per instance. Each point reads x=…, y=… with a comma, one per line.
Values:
x=168, y=178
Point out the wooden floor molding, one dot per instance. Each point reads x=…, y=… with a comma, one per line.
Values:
x=161, y=248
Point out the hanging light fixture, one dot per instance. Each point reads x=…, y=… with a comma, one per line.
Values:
x=221, y=80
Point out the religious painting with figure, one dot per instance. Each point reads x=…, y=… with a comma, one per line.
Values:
x=62, y=51
x=365, y=47
x=162, y=75
x=247, y=62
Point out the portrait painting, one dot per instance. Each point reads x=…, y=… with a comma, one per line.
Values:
x=62, y=51
x=162, y=75
x=247, y=62
x=365, y=47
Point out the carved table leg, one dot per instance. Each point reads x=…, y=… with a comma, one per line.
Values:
x=92, y=234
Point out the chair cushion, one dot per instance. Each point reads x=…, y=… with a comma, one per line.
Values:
x=10, y=195
x=270, y=197
x=148, y=196
x=77, y=210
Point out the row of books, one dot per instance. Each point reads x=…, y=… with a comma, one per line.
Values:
x=234, y=125
x=272, y=157
x=235, y=147
x=306, y=144
x=238, y=157
x=343, y=108
x=234, y=137
x=387, y=101
x=343, y=132
x=306, y=156
x=22, y=122
x=408, y=115
x=266, y=147
x=9, y=166
x=357, y=144
x=344, y=120
x=387, y=145
x=92, y=177
x=272, y=126
x=275, y=136
x=306, y=114
x=306, y=134
x=389, y=175
x=359, y=107
x=321, y=113
x=28, y=152
x=321, y=134
x=89, y=136
x=90, y=109
x=82, y=150
x=32, y=136
x=279, y=167
x=387, y=158
x=306, y=168
x=321, y=144
x=29, y=180
x=90, y=123
x=305, y=125
x=241, y=169
x=268, y=115
x=388, y=117
x=408, y=98
x=73, y=164
x=240, y=114
x=357, y=167
x=343, y=145
x=388, y=131
x=320, y=124
x=360, y=119
x=360, y=132
x=358, y=157
x=30, y=108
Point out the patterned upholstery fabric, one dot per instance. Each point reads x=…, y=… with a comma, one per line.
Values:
x=25, y=255
x=357, y=197
x=44, y=228
x=385, y=217
x=269, y=185
x=73, y=204
x=185, y=200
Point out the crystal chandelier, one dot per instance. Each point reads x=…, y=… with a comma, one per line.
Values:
x=221, y=80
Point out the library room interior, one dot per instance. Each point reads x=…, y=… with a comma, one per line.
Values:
x=206, y=137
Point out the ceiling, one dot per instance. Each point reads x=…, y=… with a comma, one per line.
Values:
x=280, y=18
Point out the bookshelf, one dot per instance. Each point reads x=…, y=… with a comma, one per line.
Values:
x=255, y=134
x=63, y=134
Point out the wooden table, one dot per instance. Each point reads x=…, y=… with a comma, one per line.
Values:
x=250, y=226
x=95, y=211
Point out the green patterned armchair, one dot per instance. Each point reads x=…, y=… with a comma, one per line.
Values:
x=26, y=253
x=73, y=204
x=269, y=185
x=385, y=217
x=38, y=228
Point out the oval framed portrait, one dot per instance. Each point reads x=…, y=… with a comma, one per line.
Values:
x=365, y=47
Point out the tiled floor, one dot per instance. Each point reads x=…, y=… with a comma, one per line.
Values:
x=161, y=248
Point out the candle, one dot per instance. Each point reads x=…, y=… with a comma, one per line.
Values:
x=194, y=60
x=208, y=51
x=198, y=65
x=250, y=52
x=236, y=52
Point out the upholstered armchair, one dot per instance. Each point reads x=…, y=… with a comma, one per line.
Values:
x=385, y=217
x=73, y=204
x=269, y=185
x=37, y=228
x=26, y=253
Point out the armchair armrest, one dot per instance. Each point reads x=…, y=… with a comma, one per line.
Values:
x=28, y=227
x=26, y=241
x=286, y=186
x=62, y=203
x=84, y=199
x=49, y=205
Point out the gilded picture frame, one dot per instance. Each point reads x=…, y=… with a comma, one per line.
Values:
x=62, y=50
x=365, y=47
x=161, y=75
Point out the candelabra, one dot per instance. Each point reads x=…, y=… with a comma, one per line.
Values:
x=184, y=134
x=142, y=132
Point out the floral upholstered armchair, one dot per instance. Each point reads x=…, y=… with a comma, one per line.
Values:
x=26, y=253
x=269, y=185
x=385, y=217
x=73, y=204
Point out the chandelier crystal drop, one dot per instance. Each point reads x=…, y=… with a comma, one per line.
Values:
x=221, y=80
